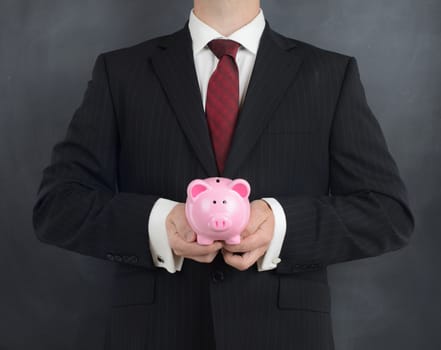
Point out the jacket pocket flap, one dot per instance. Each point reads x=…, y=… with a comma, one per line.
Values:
x=303, y=294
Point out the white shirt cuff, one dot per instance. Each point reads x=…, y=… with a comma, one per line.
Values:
x=271, y=258
x=160, y=249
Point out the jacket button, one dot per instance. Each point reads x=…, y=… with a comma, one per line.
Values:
x=217, y=276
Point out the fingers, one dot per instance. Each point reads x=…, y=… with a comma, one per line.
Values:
x=256, y=238
x=258, y=214
x=182, y=238
x=242, y=262
x=205, y=258
x=187, y=234
x=185, y=231
x=262, y=236
x=177, y=224
x=249, y=243
x=192, y=249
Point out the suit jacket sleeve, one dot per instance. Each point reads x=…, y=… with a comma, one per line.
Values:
x=78, y=205
x=366, y=212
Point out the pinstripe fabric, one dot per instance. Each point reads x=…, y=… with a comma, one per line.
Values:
x=305, y=136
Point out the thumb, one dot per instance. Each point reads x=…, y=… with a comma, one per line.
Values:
x=189, y=236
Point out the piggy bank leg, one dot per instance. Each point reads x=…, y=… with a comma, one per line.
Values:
x=233, y=240
x=204, y=240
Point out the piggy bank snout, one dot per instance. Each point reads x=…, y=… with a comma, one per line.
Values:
x=220, y=223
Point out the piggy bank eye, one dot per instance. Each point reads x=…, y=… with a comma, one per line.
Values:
x=214, y=202
x=224, y=202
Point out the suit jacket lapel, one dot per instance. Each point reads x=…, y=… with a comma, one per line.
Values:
x=275, y=68
x=174, y=66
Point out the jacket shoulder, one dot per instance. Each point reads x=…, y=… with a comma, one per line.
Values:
x=131, y=55
x=312, y=52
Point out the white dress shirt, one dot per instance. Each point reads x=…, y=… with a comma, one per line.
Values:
x=205, y=64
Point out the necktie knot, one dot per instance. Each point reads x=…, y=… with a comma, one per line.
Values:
x=223, y=47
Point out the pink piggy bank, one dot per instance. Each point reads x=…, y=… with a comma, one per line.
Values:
x=218, y=208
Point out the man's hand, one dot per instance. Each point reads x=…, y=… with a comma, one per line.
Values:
x=182, y=239
x=255, y=239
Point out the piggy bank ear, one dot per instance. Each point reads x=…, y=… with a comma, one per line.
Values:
x=241, y=186
x=196, y=187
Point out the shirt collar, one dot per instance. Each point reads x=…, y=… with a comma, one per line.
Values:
x=248, y=35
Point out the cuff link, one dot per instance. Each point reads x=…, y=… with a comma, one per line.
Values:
x=275, y=261
x=160, y=259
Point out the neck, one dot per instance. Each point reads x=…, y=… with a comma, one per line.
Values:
x=226, y=16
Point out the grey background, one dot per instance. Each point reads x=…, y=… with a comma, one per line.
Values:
x=54, y=299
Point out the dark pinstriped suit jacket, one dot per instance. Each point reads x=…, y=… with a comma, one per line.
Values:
x=305, y=136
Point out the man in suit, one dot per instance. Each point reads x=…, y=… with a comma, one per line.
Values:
x=226, y=96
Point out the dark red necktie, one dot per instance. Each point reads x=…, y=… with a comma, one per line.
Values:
x=222, y=104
